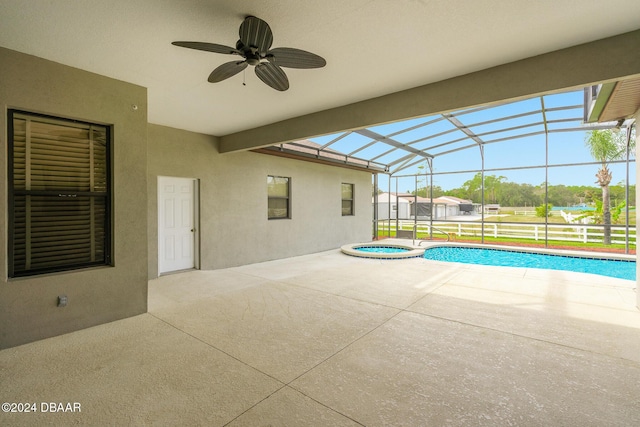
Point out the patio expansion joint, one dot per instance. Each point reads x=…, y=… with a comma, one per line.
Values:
x=337, y=352
x=362, y=300
x=433, y=290
x=526, y=337
x=208, y=344
x=617, y=288
x=291, y=281
x=282, y=384
x=297, y=391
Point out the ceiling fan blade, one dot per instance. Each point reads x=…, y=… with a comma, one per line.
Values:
x=272, y=75
x=295, y=58
x=254, y=32
x=209, y=47
x=226, y=70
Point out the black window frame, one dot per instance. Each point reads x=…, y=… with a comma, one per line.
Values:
x=287, y=198
x=351, y=201
x=102, y=218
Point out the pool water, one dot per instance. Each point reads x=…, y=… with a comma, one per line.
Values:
x=504, y=258
x=381, y=249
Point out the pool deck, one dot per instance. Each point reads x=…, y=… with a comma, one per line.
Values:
x=332, y=340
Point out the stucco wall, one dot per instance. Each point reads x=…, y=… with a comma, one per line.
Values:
x=234, y=227
x=28, y=306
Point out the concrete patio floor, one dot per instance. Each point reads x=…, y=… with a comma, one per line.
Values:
x=333, y=340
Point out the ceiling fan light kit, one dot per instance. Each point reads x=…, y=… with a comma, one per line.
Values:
x=254, y=46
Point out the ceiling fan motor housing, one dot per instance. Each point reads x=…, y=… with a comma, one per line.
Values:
x=250, y=53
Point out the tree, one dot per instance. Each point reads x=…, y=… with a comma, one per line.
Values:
x=492, y=185
x=606, y=146
x=513, y=194
x=617, y=193
x=424, y=191
x=471, y=188
x=561, y=195
x=457, y=192
x=422, y=178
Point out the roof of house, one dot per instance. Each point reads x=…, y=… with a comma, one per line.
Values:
x=412, y=198
x=455, y=199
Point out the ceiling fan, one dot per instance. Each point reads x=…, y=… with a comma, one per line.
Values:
x=255, y=47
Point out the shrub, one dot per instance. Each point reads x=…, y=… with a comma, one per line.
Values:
x=542, y=210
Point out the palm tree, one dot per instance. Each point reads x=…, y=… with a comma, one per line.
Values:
x=606, y=146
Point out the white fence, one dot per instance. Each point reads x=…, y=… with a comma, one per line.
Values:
x=536, y=232
x=527, y=213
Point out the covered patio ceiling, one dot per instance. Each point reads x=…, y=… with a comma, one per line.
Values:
x=393, y=52
x=400, y=147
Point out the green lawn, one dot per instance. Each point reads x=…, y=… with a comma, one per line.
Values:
x=554, y=218
x=551, y=243
x=521, y=241
x=525, y=219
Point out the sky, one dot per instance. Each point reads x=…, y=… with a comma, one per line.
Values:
x=455, y=151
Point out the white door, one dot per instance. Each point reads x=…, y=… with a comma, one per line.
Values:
x=176, y=224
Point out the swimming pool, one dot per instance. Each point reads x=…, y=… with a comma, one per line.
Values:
x=382, y=251
x=621, y=269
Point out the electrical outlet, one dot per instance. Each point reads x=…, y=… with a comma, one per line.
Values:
x=62, y=301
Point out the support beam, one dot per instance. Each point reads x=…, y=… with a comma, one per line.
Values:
x=458, y=124
x=390, y=141
x=578, y=66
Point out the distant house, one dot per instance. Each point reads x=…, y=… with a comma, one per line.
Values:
x=391, y=206
x=492, y=208
x=406, y=206
x=456, y=206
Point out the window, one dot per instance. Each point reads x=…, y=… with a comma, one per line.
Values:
x=347, y=199
x=59, y=194
x=278, y=192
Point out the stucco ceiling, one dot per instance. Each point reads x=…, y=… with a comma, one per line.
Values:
x=372, y=47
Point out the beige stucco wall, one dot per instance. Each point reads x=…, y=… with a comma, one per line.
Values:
x=28, y=306
x=233, y=201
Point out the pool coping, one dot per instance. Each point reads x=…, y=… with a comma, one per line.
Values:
x=545, y=251
x=413, y=251
x=416, y=249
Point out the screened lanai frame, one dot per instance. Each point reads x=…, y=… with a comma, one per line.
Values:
x=400, y=149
